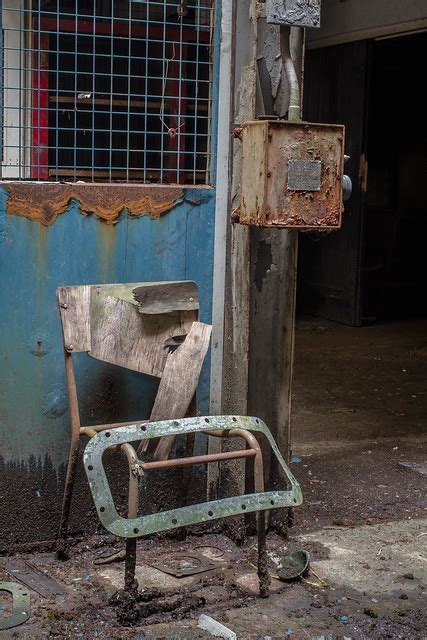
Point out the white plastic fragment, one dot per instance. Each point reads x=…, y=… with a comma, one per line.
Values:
x=215, y=628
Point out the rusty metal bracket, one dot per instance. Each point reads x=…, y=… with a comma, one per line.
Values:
x=185, y=516
x=20, y=605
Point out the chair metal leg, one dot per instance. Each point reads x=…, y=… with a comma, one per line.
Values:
x=61, y=550
x=263, y=574
x=62, y=547
x=127, y=599
x=131, y=584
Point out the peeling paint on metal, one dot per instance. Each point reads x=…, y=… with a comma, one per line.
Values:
x=36, y=259
x=44, y=202
x=55, y=401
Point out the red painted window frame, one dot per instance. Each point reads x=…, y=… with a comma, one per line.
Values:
x=40, y=85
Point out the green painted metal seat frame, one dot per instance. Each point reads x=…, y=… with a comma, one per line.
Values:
x=221, y=426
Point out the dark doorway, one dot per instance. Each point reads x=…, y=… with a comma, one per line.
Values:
x=372, y=269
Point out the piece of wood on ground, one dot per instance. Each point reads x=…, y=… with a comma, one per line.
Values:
x=32, y=577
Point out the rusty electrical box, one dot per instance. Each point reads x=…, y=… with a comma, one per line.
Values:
x=291, y=175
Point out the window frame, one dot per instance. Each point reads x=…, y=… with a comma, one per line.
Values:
x=30, y=151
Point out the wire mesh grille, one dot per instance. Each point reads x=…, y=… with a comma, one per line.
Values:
x=107, y=90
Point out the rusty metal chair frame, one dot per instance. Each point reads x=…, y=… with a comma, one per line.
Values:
x=75, y=311
x=88, y=315
x=134, y=527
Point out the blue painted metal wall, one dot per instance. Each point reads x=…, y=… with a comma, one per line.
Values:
x=79, y=249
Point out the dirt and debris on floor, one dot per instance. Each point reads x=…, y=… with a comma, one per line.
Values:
x=358, y=383
x=359, y=416
x=364, y=582
x=362, y=467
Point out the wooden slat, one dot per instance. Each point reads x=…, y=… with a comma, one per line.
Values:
x=74, y=309
x=74, y=306
x=166, y=297
x=32, y=577
x=179, y=382
x=101, y=173
x=121, y=335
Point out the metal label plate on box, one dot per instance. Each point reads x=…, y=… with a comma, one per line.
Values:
x=304, y=175
x=294, y=13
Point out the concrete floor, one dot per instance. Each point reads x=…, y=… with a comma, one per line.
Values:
x=358, y=434
x=359, y=418
x=358, y=383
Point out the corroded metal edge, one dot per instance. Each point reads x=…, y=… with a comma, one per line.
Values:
x=45, y=201
x=20, y=605
x=174, y=518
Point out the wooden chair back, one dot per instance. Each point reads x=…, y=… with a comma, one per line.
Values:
x=132, y=325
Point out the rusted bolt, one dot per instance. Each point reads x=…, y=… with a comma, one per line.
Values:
x=70, y=347
x=64, y=305
x=269, y=174
x=137, y=470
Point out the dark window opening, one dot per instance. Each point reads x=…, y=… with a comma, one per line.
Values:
x=108, y=91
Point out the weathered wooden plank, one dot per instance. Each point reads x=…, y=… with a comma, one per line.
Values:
x=165, y=297
x=30, y=575
x=272, y=338
x=74, y=309
x=179, y=381
x=121, y=335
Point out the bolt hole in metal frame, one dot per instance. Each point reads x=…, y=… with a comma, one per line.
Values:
x=184, y=516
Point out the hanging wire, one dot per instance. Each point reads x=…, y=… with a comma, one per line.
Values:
x=172, y=131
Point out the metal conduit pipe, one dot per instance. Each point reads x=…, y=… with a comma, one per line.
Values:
x=294, y=112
